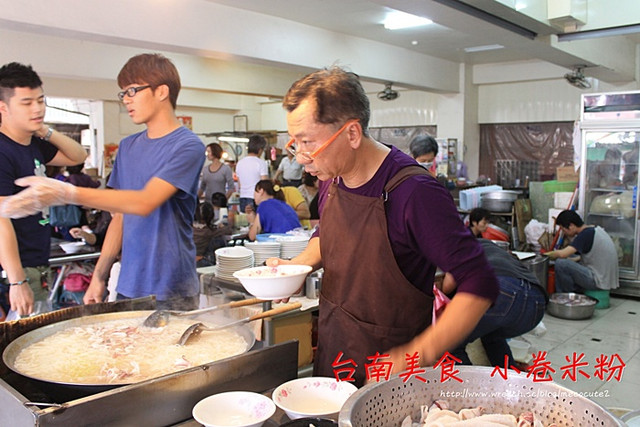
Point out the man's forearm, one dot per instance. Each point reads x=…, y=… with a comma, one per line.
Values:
x=110, y=248
x=9, y=254
x=69, y=147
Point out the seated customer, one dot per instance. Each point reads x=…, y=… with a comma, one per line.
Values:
x=206, y=236
x=96, y=229
x=273, y=214
x=294, y=198
x=479, y=221
x=519, y=308
x=598, y=265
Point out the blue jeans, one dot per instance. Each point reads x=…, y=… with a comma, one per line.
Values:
x=244, y=201
x=573, y=277
x=518, y=309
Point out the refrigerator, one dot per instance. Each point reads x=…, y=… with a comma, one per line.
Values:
x=608, y=193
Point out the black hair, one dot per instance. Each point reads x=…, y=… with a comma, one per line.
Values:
x=271, y=188
x=478, y=214
x=256, y=143
x=423, y=144
x=308, y=179
x=219, y=200
x=15, y=75
x=567, y=217
x=76, y=169
x=204, y=214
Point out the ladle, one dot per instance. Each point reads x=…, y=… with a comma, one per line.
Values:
x=161, y=317
x=198, y=328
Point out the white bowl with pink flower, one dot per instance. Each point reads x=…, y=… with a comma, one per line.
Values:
x=234, y=408
x=273, y=282
x=320, y=397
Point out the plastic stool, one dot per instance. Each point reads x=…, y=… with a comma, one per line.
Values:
x=602, y=295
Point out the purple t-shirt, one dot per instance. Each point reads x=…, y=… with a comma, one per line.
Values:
x=425, y=230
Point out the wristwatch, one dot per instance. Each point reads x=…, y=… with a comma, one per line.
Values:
x=48, y=134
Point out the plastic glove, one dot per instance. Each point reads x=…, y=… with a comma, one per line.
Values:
x=40, y=193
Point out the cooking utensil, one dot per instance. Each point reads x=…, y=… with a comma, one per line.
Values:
x=389, y=402
x=160, y=317
x=198, y=328
x=14, y=348
x=498, y=201
x=571, y=306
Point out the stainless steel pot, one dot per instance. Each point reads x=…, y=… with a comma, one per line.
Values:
x=539, y=265
x=498, y=201
x=14, y=348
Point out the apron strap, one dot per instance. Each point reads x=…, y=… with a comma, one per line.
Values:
x=401, y=176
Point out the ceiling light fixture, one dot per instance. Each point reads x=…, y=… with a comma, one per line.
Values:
x=397, y=20
x=233, y=139
x=483, y=48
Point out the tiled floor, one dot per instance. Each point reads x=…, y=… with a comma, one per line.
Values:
x=615, y=330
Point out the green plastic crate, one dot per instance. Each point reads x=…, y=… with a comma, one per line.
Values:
x=557, y=186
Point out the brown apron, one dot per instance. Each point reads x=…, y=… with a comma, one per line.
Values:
x=366, y=303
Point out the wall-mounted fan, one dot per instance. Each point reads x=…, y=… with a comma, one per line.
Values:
x=387, y=94
x=577, y=79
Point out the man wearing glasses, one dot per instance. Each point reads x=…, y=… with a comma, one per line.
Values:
x=385, y=225
x=26, y=146
x=155, y=182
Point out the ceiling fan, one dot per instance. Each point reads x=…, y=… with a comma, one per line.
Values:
x=388, y=94
x=577, y=79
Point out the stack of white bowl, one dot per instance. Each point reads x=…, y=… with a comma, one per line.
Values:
x=263, y=250
x=231, y=259
x=291, y=246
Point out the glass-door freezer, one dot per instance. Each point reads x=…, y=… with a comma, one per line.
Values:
x=610, y=157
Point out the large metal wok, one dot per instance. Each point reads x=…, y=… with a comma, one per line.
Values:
x=16, y=346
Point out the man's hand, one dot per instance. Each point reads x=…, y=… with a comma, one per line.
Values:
x=95, y=292
x=552, y=254
x=21, y=297
x=41, y=192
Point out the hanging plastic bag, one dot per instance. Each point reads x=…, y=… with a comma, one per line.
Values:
x=440, y=301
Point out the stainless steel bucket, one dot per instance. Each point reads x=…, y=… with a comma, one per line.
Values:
x=539, y=265
x=314, y=284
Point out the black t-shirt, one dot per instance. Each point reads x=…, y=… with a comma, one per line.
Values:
x=17, y=161
x=583, y=242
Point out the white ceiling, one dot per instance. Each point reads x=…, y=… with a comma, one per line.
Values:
x=260, y=46
x=454, y=30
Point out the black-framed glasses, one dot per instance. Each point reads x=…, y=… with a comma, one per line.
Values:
x=131, y=92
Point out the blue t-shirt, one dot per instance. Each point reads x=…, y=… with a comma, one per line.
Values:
x=277, y=217
x=158, y=253
x=17, y=161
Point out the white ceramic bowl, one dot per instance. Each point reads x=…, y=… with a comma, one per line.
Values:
x=273, y=282
x=321, y=397
x=71, y=247
x=234, y=408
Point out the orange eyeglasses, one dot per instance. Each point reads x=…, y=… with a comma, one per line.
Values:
x=307, y=156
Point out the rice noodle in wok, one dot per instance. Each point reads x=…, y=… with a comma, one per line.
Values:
x=123, y=352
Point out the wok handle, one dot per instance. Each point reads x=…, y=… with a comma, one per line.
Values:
x=232, y=304
x=274, y=311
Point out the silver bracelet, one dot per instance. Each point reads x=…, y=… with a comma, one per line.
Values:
x=20, y=282
x=47, y=137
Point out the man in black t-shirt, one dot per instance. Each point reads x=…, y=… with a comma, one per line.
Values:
x=598, y=265
x=26, y=146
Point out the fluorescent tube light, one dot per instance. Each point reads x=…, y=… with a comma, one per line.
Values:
x=397, y=20
x=233, y=139
x=483, y=48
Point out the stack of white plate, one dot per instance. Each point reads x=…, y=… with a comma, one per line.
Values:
x=291, y=246
x=231, y=259
x=263, y=250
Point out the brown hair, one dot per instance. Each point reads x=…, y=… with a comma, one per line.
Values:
x=153, y=69
x=271, y=188
x=338, y=94
x=216, y=150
